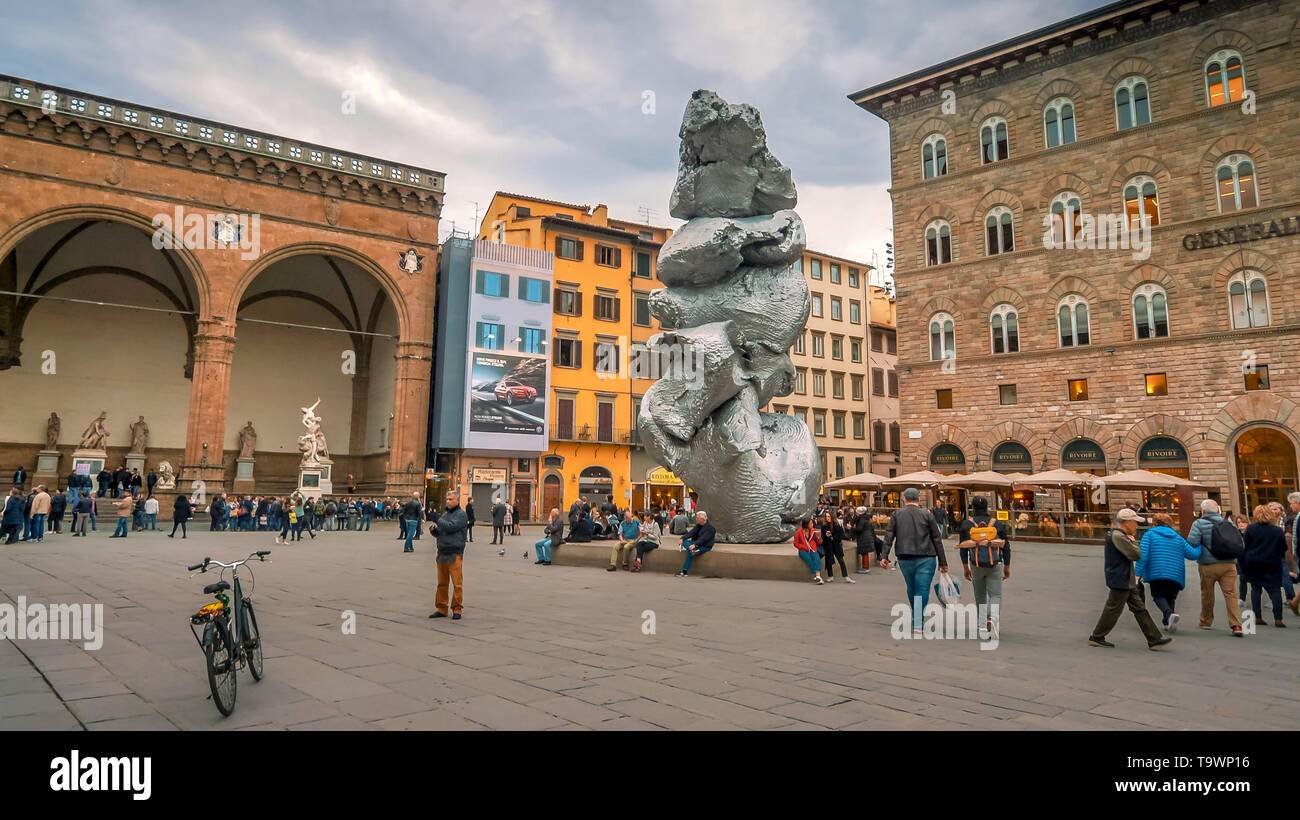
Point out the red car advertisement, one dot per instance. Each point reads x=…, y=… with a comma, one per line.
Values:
x=507, y=394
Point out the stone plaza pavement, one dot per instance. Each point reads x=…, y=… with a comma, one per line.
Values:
x=564, y=648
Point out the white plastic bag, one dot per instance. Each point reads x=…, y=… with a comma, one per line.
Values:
x=946, y=590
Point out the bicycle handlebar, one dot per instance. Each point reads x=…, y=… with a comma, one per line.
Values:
x=203, y=566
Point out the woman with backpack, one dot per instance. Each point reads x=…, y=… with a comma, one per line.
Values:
x=807, y=543
x=1161, y=565
x=985, y=560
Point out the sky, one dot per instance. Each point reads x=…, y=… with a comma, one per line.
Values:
x=563, y=99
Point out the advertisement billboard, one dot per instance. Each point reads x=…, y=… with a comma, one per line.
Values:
x=507, y=394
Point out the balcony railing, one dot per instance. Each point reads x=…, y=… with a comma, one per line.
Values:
x=596, y=434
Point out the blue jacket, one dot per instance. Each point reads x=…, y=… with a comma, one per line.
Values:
x=13, y=514
x=631, y=530
x=1201, y=534
x=1163, y=552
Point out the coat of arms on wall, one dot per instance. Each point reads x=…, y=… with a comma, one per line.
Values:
x=410, y=261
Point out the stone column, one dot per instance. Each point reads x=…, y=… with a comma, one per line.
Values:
x=10, y=341
x=214, y=350
x=410, y=418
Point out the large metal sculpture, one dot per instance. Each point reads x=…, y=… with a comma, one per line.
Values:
x=735, y=306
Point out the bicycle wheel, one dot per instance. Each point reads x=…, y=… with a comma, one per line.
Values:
x=252, y=642
x=221, y=666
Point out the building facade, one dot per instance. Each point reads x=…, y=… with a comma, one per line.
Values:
x=1098, y=233
x=603, y=274
x=882, y=356
x=831, y=364
x=209, y=277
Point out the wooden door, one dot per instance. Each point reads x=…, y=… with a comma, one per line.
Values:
x=524, y=501
x=551, y=499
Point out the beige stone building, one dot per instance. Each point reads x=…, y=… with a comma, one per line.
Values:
x=830, y=359
x=882, y=358
x=1024, y=343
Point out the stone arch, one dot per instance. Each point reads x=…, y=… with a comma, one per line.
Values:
x=1154, y=168
x=1075, y=428
x=1071, y=284
x=933, y=125
x=1058, y=88
x=1216, y=41
x=365, y=263
x=1060, y=184
x=994, y=198
x=946, y=433
x=998, y=296
x=942, y=304
x=1015, y=431
x=1235, y=144
x=1125, y=68
x=994, y=108
x=1137, y=277
x=1158, y=424
x=1255, y=407
x=1235, y=262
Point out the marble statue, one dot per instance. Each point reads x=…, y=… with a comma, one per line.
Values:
x=735, y=306
x=247, y=441
x=52, y=429
x=95, y=437
x=139, y=436
x=166, y=476
x=312, y=443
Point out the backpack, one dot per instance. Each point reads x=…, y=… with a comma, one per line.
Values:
x=1226, y=541
x=989, y=555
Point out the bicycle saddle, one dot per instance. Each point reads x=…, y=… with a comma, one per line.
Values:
x=217, y=587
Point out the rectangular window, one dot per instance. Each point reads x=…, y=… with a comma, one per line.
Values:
x=642, y=264
x=642, y=304
x=859, y=428
x=819, y=344
x=567, y=248
x=839, y=430
x=891, y=342
x=489, y=336
x=836, y=312
x=855, y=350
x=816, y=268
x=492, y=284
x=895, y=434
x=532, y=340
x=522, y=212
x=1157, y=385
x=798, y=344
x=893, y=383
x=835, y=274
x=1078, y=389
x=801, y=381
x=877, y=381
x=523, y=465
x=855, y=313
x=568, y=352
x=817, y=304
x=1257, y=380
x=837, y=348
x=607, y=308
x=534, y=290
x=1006, y=394
x=853, y=283
x=943, y=399
x=878, y=436
x=604, y=359
x=857, y=387
x=819, y=383
x=837, y=385
x=877, y=341
x=819, y=423
x=609, y=256
x=568, y=302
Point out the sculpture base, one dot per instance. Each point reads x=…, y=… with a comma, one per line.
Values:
x=47, y=469
x=94, y=461
x=314, y=481
x=135, y=461
x=244, y=482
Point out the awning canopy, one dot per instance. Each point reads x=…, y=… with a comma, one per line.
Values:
x=1147, y=480
x=985, y=478
x=921, y=478
x=859, y=480
x=1060, y=478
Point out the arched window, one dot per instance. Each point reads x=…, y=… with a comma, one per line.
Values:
x=934, y=157
x=1065, y=209
x=1141, y=201
x=938, y=243
x=1132, y=105
x=1058, y=122
x=1235, y=175
x=1005, y=326
x=943, y=340
x=1072, y=320
x=1248, y=300
x=1150, y=312
x=1225, y=78
x=993, y=140
x=997, y=231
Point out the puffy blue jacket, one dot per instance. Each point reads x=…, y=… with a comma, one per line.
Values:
x=1163, y=552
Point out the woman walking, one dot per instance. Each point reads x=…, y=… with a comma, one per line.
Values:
x=1265, y=554
x=833, y=546
x=648, y=539
x=807, y=542
x=1161, y=565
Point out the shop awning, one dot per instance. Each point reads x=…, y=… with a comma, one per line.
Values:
x=1060, y=478
x=860, y=480
x=920, y=478
x=1147, y=480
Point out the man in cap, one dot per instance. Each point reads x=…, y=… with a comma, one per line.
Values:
x=1121, y=551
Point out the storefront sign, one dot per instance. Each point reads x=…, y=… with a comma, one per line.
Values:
x=1238, y=234
x=1162, y=448
x=662, y=475
x=947, y=455
x=1083, y=451
x=1011, y=454
x=487, y=475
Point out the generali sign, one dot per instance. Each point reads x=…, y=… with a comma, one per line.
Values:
x=1239, y=234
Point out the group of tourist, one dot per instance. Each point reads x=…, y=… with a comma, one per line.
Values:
x=246, y=513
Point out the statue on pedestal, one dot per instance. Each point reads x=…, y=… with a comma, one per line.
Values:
x=95, y=437
x=139, y=436
x=312, y=443
x=166, y=476
x=52, y=429
x=247, y=441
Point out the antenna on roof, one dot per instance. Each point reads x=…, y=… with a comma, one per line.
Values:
x=475, y=212
x=647, y=214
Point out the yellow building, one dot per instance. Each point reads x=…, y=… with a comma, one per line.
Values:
x=604, y=272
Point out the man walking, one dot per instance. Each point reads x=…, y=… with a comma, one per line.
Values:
x=40, y=510
x=450, y=532
x=412, y=512
x=913, y=532
x=498, y=522
x=1121, y=551
x=1214, y=570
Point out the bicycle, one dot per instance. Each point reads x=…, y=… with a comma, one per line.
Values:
x=231, y=639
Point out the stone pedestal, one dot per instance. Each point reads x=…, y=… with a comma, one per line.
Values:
x=95, y=461
x=135, y=461
x=314, y=481
x=47, y=469
x=244, y=482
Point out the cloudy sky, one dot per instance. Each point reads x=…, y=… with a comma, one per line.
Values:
x=544, y=97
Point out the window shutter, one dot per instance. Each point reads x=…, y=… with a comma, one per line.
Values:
x=618, y=257
x=555, y=352
x=577, y=297
x=577, y=353
x=557, y=245
x=577, y=244
x=556, y=299
x=618, y=308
